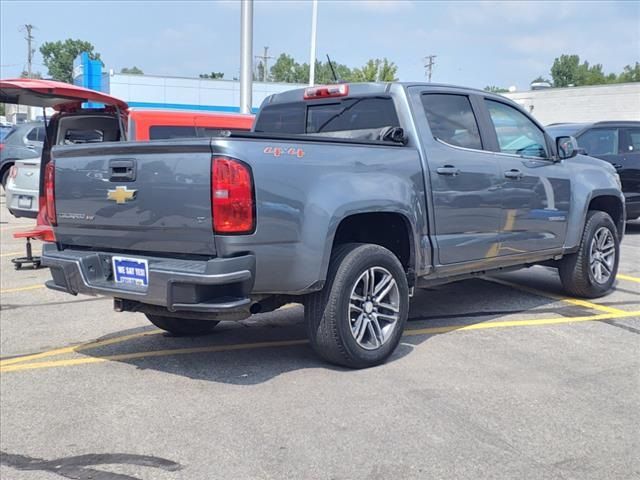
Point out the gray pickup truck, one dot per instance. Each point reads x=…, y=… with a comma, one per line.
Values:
x=344, y=198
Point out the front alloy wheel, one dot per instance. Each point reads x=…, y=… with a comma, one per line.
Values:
x=602, y=255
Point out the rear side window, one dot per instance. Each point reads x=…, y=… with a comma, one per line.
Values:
x=451, y=119
x=164, y=132
x=600, y=141
x=517, y=134
x=36, y=134
x=363, y=113
x=282, y=118
x=632, y=140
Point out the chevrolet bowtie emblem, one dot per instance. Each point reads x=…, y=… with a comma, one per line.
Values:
x=121, y=194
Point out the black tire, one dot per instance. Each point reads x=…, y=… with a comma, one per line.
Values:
x=327, y=313
x=575, y=269
x=5, y=176
x=183, y=326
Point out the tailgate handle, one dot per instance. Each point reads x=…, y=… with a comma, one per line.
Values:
x=122, y=170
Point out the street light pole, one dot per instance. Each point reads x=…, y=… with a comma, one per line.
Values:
x=312, y=59
x=246, y=55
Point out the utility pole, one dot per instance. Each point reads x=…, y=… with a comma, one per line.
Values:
x=263, y=59
x=30, y=51
x=312, y=56
x=246, y=55
x=429, y=62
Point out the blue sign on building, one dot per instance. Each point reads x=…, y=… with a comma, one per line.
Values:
x=87, y=73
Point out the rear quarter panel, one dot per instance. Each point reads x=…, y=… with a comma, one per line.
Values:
x=302, y=196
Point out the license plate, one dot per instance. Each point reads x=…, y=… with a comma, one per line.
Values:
x=24, y=201
x=131, y=271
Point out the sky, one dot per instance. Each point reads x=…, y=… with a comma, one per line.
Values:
x=476, y=43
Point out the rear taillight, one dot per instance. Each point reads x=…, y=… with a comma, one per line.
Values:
x=232, y=201
x=13, y=172
x=49, y=192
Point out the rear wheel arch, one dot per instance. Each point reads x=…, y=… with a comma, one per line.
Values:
x=391, y=230
x=4, y=170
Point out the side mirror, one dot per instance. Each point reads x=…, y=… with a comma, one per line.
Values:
x=567, y=147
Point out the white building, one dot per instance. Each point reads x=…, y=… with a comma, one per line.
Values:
x=620, y=101
x=150, y=91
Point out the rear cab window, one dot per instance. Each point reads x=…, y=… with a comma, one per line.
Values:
x=339, y=117
x=451, y=119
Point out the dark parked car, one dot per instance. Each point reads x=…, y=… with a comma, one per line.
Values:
x=25, y=140
x=616, y=142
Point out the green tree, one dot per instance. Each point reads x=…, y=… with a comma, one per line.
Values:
x=539, y=79
x=494, y=89
x=630, y=74
x=376, y=70
x=25, y=74
x=285, y=69
x=388, y=71
x=58, y=57
x=567, y=70
x=132, y=71
x=564, y=70
x=212, y=75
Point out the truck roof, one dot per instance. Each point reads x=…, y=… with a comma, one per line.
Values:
x=372, y=88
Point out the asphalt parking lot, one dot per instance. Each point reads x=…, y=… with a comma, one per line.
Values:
x=497, y=378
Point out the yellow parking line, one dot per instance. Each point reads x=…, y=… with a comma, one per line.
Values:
x=9, y=254
x=524, y=323
x=628, y=277
x=570, y=300
x=288, y=343
x=77, y=348
x=21, y=289
x=15, y=227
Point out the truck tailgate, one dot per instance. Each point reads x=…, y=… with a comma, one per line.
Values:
x=138, y=197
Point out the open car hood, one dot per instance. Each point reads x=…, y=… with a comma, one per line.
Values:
x=48, y=93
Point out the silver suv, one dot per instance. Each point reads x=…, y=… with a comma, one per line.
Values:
x=24, y=141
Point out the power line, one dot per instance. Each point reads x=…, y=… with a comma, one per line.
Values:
x=429, y=62
x=263, y=59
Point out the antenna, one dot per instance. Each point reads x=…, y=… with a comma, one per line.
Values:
x=333, y=72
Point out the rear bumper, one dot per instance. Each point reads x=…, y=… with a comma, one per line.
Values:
x=14, y=197
x=220, y=285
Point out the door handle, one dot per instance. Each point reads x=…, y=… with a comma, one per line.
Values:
x=122, y=170
x=617, y=166
x=448, y=170
x=513, y=173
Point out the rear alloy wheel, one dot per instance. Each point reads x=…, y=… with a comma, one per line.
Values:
x=358, y=318
x=183, y=326
x=373, y=309
x=591, y=271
